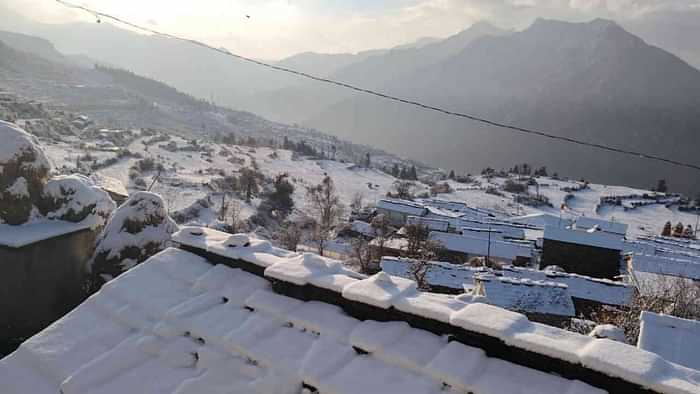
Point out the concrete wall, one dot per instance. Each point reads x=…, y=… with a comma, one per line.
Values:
x=581, y=259
x=41, y=282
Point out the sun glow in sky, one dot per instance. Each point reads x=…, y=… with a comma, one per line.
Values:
x=273, y=29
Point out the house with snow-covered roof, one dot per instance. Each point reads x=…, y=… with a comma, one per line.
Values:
x=509, y=230
x=541, y=301
x=398, y=211
x=591, y=253
x=430, y=223
x=662, y=266
x=673, y=338
x=460, y=248
x=588, y=294
x=231, y=313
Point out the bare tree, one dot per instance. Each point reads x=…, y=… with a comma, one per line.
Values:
x=678, y=297
x=402, y=190
x=357, y=202
x=327, y=208
x=234, y=215
x=382, y=227
x=419, y=245
x=419, y=271
x=249, y=183
x=362, y=254
x=290, y=236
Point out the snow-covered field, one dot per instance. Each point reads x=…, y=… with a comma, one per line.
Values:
x=188, y=174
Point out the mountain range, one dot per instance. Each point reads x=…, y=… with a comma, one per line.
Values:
x=594, y=81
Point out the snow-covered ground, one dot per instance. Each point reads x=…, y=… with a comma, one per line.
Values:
x=188, y=174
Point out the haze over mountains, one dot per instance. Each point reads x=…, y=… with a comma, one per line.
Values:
x=594, y=81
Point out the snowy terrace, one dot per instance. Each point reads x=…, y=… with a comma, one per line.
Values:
x=525, y=295
x=673, y=338
x=481, y=246
x=453, y=276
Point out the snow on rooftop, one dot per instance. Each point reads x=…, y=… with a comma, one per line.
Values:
x=666, y=266
x=430, y=223
x=586, y=223
x=675, y=339
x=29, y=233
x=169, y=326
x=454, y=276
x=507, y=229
x=178, y=324
x=403, y=206
x=480, y=246
x=363, y=228
x=597, y=239
x=526, y=295
x=542, y=220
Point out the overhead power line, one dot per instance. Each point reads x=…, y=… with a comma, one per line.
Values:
x=509, y=127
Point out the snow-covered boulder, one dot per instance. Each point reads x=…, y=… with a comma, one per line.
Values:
x=76, y=198
x=24, y=169
x=138, y=229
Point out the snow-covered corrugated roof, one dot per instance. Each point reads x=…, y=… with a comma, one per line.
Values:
x=29, y=233
x=597, y=239
x=432, y=224
x=667, y=266
x=511, y=231
x=403, y=206
x=363, y=228
x=454, y=276
x=179, y=324
x=525, y=295
x=585, y=223
x=542, y=220
x=672, y=338
x=480, y=246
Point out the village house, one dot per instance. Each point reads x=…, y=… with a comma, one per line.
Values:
x=458, y=248
x=398, y=211
x=588, y=294
x=673, y=338
x=431, y=224
x=541, y=301
x=591, y=253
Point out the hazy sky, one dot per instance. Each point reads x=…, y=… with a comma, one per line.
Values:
x=278, y=28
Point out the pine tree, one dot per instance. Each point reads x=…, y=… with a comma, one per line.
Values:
x=413, y=174
x=688, y=232
x=678, y=230
x=666, y=232
x=661, y=186
x=395, y=171
x=368, y=161
x=452, y=174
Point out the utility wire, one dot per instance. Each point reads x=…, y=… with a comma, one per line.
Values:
x=512, y=128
